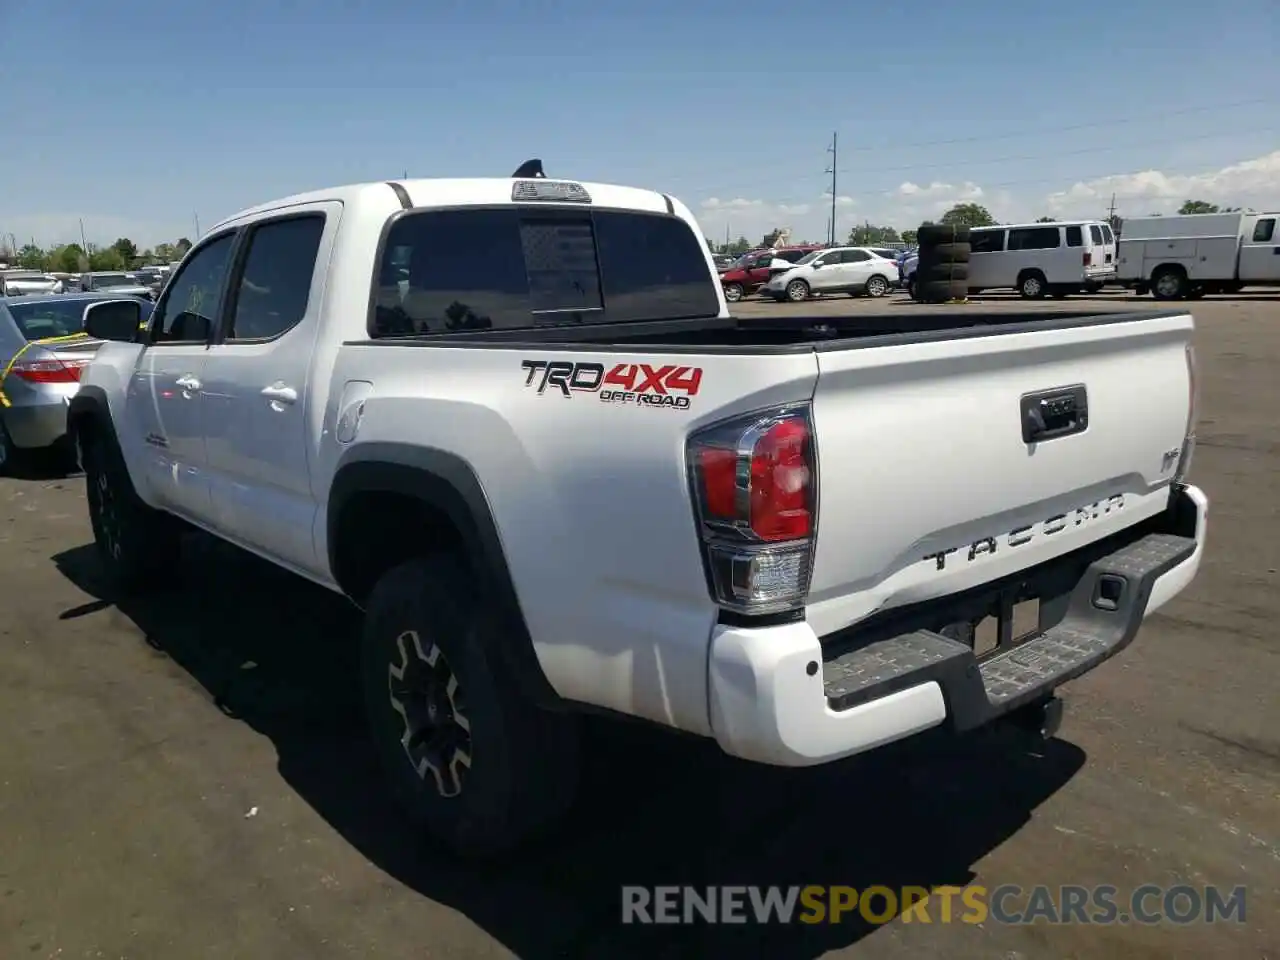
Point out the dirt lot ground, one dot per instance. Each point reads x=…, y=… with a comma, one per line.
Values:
x=187, y=778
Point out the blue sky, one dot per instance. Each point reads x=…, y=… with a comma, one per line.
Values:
x=140, y=117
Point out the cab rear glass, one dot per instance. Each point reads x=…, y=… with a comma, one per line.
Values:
x=517, y=267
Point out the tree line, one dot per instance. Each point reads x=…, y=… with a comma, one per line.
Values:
x=961, y=215
x=124, y=254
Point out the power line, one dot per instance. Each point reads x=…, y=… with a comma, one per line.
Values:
x=1100, y=124
x=1110, y=148
x=1095, y=125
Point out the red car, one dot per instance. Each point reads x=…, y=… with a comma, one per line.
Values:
x=755, y=270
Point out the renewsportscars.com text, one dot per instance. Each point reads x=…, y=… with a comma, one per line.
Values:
x=1006, y=904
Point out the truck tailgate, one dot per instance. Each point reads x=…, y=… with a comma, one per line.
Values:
x=926, y=484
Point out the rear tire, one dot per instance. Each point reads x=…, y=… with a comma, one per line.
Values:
x=942, y=292
x=471, y=760
x=1169, y=283
x=943, y=272
x=932, y=234
x=877, y=286
x=140, y=548
x=1032, y=285
x=950, y=252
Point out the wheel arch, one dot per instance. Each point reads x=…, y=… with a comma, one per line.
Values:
x=89, y=410
x=440, y=488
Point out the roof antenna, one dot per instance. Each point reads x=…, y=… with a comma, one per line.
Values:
x=529, y=170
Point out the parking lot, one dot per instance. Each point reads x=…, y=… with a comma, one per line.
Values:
x=188, y=778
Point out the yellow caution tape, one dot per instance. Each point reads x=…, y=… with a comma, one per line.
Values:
x=44, y=341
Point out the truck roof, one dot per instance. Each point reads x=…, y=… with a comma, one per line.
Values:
x=447, y=192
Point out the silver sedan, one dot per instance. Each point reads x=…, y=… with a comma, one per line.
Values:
x=43, y=350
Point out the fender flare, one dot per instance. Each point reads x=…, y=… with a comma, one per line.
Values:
x=90, y=404
x=446, y=483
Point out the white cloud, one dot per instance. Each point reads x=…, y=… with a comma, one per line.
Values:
x=841, y=201
x=1250, y=183
x=738, y=203
x=753, y=218
x=938, y=192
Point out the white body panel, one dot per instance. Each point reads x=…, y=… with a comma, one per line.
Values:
x=1067, y=264
x=918, y=451
x=1242, y=248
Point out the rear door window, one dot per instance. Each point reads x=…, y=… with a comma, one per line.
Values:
x=518, y=267
x=1095, y=234
x=986, y=241
x=1035, y=238
x=1107, y=235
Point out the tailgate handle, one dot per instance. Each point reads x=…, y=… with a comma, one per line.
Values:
x=1050, y=414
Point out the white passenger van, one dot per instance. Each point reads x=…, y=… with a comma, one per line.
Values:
x=1042, y=258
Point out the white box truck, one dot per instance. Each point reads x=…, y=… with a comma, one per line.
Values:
x=1185, y=257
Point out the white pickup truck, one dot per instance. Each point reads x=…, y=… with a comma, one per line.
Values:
x=513, y=421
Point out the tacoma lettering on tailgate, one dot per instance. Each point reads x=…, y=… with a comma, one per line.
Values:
x=1021, y=536
x=639, y=384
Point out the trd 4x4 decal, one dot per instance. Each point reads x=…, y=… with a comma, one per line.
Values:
x=644, y=384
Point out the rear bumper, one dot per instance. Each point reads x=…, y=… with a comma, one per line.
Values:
x=36, y=425
x=781, y=696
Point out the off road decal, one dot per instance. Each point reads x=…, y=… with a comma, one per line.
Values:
x=667, y=385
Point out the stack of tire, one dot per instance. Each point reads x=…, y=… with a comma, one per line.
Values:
x=942, y=273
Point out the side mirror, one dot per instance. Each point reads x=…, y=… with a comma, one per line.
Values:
x=817, y=264
x=117, y=320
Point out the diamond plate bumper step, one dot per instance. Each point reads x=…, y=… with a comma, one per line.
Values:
x=1102, y=616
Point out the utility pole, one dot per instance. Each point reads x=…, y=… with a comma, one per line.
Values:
x=84, y=244
x=834, y=157
x=1111, y=212
x=196, y=217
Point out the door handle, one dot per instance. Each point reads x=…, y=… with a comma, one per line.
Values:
x=279, y=393
x=1054, y=413
x=188, y=382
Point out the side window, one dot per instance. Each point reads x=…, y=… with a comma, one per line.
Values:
x=986, y=241
x=1264, y=230
x=1095, y=234
x=855, y=256
x=1035, y=238
x=193, y=299
x=274, y=285
x=1075, y=236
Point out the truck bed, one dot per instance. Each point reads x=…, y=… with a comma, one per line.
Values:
x=893, y=324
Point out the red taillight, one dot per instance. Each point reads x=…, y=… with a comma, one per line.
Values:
x=47, y=371
x=1088, y=258
x=719, y=482
x=780, y=482
x=754, y=482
